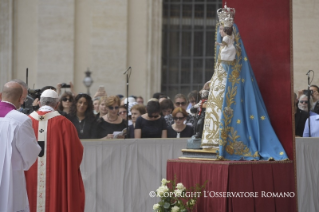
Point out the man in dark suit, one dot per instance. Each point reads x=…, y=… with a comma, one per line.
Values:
x=300, y=119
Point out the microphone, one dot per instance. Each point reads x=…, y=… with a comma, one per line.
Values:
x=308, y=72
x=127, y=70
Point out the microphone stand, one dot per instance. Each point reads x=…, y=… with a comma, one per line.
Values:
x=308, y=95
x=128, y=74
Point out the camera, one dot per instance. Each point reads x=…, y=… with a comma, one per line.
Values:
x=34, y=93
x=64, y=85
x=306, y=92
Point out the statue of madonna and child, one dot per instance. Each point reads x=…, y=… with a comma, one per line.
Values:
x=236, y=120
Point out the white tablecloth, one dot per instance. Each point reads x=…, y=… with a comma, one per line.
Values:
x=307, y=157
x=118, y=175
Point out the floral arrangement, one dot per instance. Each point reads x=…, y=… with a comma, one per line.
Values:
x=177, y=198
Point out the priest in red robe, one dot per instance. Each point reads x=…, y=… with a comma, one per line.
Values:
x=54, y=182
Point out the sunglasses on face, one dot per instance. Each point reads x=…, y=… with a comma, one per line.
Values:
x=178, y=118
x=180, y=103
x=66, y=99
x=306, y=102
x=113, y=108
x=156, y=116
x=122, y=112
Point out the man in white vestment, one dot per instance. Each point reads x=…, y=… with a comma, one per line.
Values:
x=18, y=149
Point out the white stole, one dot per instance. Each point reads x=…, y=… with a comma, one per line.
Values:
x=42, y=136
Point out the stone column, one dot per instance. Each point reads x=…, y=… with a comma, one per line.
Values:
x=55, y=42
x=5, y=41
x=144, y=47
x=154, y=60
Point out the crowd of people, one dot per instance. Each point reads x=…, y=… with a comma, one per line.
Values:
x=101, y=116
x=304, y=108
x=107, y=117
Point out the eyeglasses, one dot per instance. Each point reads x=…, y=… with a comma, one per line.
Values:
x=156, y=116
x=178, y=118
x=180, y=103
x=113, y=108
x=67, y=99
x=306, y=102
x=122, y=112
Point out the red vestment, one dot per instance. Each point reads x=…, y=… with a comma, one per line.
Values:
x=64, y=186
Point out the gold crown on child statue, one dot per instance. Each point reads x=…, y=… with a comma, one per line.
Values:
x=226, y=16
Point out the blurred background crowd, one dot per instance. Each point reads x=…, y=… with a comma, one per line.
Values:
x=107, y=116
x=104, y=116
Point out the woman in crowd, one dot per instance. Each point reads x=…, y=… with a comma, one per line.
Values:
x=179, y=129
x=167, y=107
x=136, y=111
x=102, y=107
x=140, y=100
x=66, y=101
x=180, y=101
x=151, y=124
x=111, y=122
x=96, y=102
x=82, y=116
x=123, y=112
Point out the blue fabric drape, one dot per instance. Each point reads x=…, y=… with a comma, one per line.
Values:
x=245, y=128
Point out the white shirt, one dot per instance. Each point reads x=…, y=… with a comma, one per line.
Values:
x=18, y=151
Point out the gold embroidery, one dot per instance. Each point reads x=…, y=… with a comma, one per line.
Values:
x=263, y=118
x=214, y=107
x=230, y=149
x=227, y=62
x=245, y=59
x=216, y=132
x=251, y=117
x=281, y=153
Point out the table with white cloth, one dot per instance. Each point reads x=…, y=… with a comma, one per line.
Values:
x=119, y=175
x=307, y=157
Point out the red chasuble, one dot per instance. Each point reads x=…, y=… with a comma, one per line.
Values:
x=64, y=189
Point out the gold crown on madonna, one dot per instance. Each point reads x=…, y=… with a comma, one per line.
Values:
x=226, y=16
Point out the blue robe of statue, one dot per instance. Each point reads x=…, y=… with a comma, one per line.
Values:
x=236, y=118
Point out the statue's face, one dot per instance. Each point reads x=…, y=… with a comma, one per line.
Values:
x=221, y=30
